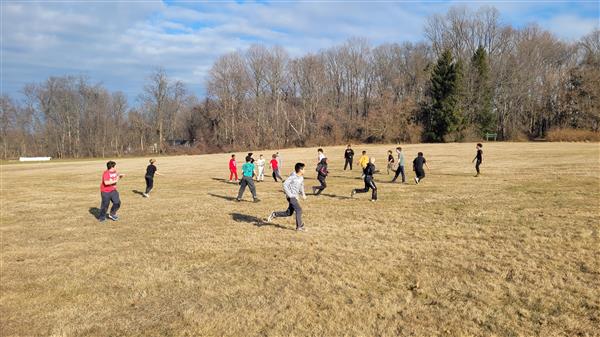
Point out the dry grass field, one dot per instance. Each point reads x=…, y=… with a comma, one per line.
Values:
x=514, y=252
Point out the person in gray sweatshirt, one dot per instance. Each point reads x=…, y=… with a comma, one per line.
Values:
x=400, y=169
x=293, y=187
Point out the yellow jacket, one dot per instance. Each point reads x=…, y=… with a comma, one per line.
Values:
x=363, y=161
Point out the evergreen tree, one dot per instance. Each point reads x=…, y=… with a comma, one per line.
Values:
x=481, y=100
x=442, y=115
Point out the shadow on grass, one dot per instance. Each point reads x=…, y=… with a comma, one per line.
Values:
x=258, y=222
x=228, y=198
x=95, y=211
x=341, y=197
x=138, y=192
x=224, y=181
x=346, y=177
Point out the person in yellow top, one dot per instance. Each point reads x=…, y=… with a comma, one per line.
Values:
x=363, y=161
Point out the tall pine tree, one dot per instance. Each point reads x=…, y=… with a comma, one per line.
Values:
x=442, y=115
x=481, y=93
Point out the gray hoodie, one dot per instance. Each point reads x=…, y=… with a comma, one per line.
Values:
x=294, y=186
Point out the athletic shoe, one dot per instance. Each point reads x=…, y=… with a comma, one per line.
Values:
x=373, y=200
x=271, y=216
x=238, y=199
x=113, y=217
x=145, y=195
x=416, y=180
x=301, y=229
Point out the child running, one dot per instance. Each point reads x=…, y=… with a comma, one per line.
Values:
x=348, y=157
x=232, y=169
x=293, y=187
x=274, y=163
x=390, y=165
x=400, y=168
x=260, y=165
x=109, y=193
x=322, y=173
x=369, y=182
x=150, y=172
x=418, y=167
x=478, y=157
x=247, y=175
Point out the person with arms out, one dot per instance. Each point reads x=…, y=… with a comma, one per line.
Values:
x=400, y=168
x=349, y=157
x=247, y=175
x=478, y=157
x=232, y=169
x=274, y=163
x=150, y=172
x=369, y=181
x=390, y=163
x=109, y=193
x=418, y=167
x=293, y=188
x=322, y=173
x=260, y=166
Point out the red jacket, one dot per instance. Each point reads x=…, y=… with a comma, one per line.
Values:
x=232, y=165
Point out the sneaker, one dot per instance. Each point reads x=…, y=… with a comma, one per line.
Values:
x=271, y=216
x=373, y=200
x=301, y=229
x=145, y=195
x=238, y=199
x=113, y=217
x=416, y=180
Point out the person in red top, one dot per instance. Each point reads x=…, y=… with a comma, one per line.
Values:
x=108, y=192
x=232, y=168
x=275, y=167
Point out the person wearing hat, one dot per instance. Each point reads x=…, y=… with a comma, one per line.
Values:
x=150, y=172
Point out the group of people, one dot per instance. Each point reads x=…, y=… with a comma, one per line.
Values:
x=293, y=185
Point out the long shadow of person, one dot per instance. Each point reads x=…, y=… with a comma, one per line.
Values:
x=224, y=181
x=95, y=211
x=228, y=198
x=258, y=222
x=138, y=192
x=334, y=196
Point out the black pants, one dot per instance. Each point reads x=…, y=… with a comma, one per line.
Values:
x=276, y=175
x=323, y=186
x=399, y=171
x=107, y=197
x=348, y=162
x=247, y=181
x=420, y=174
x=149, y=184
x=369, y=184
x=294, y=205
x=477, y=163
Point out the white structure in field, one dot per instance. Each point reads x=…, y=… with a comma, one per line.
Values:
x=34, y=158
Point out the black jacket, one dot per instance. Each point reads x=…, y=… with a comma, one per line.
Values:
x=369, y=170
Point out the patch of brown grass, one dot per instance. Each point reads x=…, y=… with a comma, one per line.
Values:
x=511, y=253
x=573, y=135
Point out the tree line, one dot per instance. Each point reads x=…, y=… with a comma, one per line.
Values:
x=472, y=75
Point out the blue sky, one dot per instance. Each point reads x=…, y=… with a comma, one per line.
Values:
x=119, y=43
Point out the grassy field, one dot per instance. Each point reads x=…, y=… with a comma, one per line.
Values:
x=514, y=252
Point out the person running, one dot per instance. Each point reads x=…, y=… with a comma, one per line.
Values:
x=348, y=156
x=478, y=157
x=400, y=168
x=247, y=175
x=232, y=169
x=320, y=155
x=363, y=161
x=390, y=164
x=293, y=188
x=274, y=163
x=369, y=181
x=109, y=193
x=150, y=172
x=418, y=167
x=322, y=173
x=260, y=166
